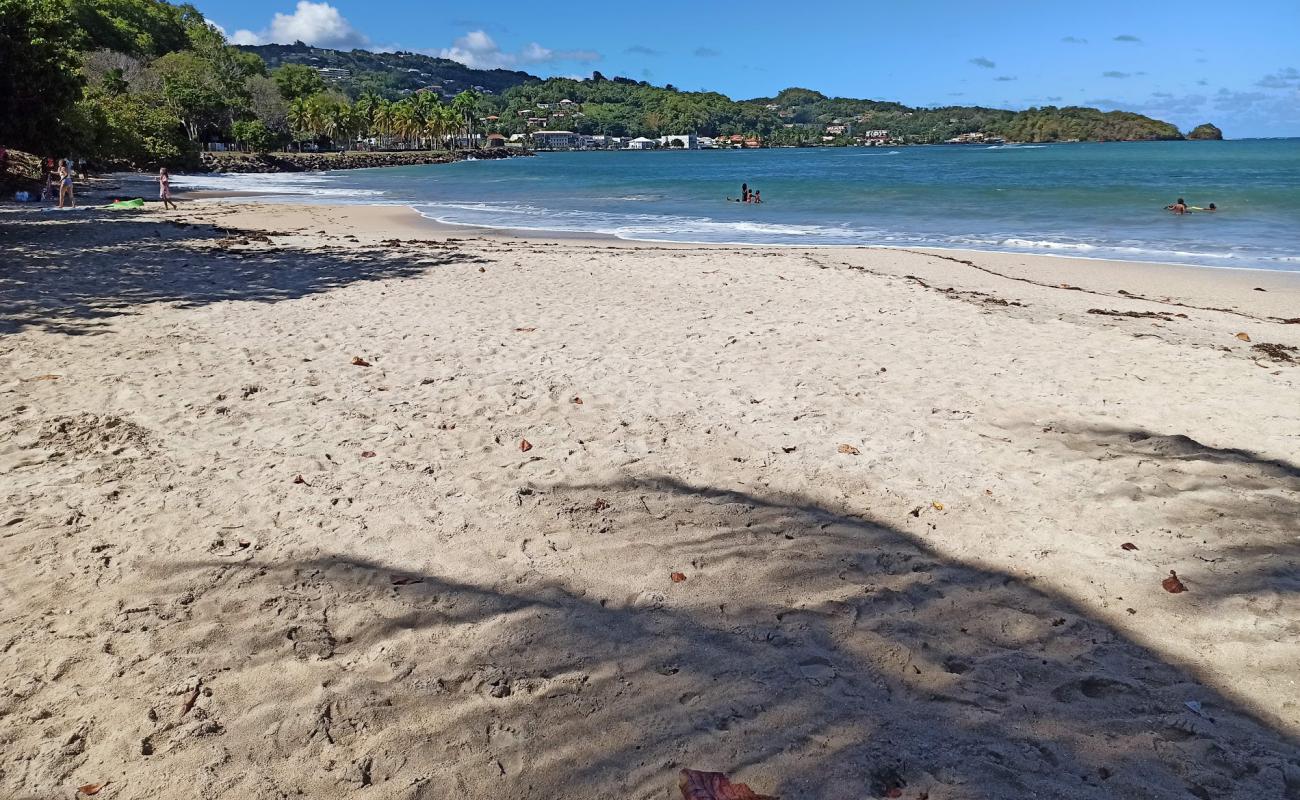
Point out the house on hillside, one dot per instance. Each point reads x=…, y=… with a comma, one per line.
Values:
x=495, y=140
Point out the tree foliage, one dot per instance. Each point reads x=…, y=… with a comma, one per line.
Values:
x=40, y=75
x=296, y=81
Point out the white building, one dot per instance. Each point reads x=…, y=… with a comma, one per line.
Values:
x=642, y=143
x=685, y=141
x=556, y=140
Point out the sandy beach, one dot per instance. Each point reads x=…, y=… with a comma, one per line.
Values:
x=327, y=501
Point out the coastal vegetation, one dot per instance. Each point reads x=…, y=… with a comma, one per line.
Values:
x=145, y=82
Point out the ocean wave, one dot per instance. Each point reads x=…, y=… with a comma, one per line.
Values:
x=1046, y=244
x=275, y=183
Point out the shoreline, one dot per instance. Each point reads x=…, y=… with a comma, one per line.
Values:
x=1054, y=252
x=1100, y=275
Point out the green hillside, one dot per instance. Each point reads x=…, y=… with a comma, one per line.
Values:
x=621, y=107
x=390, y=75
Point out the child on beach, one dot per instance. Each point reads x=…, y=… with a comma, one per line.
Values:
x=165, y=188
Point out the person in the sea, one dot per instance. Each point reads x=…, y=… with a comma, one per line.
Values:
x=756, y=197
x=1211, y=207
x=165, y=188
x=1179, y=207
x=744, y=192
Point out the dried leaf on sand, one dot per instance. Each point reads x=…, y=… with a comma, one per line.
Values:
x=358, y=361
x=1128, y=546
x=849, y=449
x=677, y=577
x=525, y=445
x=697, y=785
x=92, y=788
x=1172, y=584
x=1245, y=337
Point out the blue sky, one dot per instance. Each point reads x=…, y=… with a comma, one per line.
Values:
x=1236, y=64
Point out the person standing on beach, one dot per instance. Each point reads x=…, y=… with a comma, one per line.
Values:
x=165, y=188
x=65, y=187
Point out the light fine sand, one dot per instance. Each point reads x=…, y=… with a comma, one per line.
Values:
x=923, y=504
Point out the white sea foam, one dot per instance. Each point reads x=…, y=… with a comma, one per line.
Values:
x=1046, y=245
x=276, y=183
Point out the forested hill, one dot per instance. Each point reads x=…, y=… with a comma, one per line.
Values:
x=389, y=74
x=622, y=107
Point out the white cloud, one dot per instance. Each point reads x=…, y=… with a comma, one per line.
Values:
x=477, y=49
x=317, y=24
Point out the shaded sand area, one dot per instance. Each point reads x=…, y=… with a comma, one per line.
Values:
x=312, y=512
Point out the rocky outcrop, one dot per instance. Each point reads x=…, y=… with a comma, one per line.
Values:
x=1206, y=131
x=360, y=159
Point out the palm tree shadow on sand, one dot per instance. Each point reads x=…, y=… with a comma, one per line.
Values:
x=894, y=669
x=47, y=281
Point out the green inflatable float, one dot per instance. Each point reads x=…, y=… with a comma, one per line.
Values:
x=124, y=205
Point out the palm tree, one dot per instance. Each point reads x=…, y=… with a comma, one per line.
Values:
x=406, y=121
x=466, y=105
x=426, y=105
x=299, y=116
x=340, y=121
x=381, y=121
x=365, y=109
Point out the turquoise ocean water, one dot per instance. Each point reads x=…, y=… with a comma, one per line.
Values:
x=1084, y=199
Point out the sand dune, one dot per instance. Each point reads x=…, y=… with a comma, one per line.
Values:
x=238, y=565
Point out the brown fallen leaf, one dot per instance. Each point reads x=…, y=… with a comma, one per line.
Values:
x=849, y=449
x=601, y=504
x=367, y=453
x=697, y=785
x=525, y=445
x=301, y=479
x=405, y=580
x=524, y=330
x=243, y=543
x=1172, y=584
x=577, y=401
x=481, y=269
x=358, y=361
x=677, y=577
x=43, y=378
x=1128, y=546
x=191, y=699
x=936, y=505
x=1245, y=337
x=92, y=788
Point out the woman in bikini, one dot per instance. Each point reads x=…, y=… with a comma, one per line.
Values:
x=65, y=187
